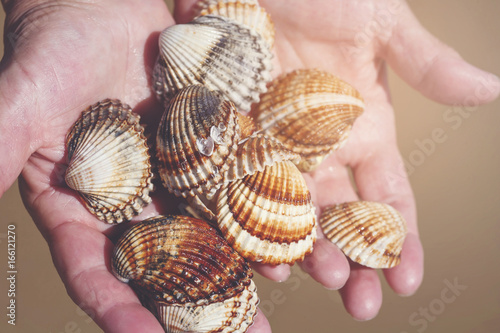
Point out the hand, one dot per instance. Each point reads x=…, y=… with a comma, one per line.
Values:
x=354, y=40
x=68, y=55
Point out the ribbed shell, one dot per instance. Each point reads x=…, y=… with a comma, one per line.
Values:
x=218, y=53
x=268, y=217
x=254, y=154
x=369, y=233
x=235, y=314
x=196, y=140
x=108, y=161
x=179, y=260
x=247, y=12
x=311, y=112
x=247, y=126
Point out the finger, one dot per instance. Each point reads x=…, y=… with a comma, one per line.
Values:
x=382, y=178
x=278, y=273
x=362, y=294
x=329, y=184
x=435, y=69
x=82, y=257
x=260, y=324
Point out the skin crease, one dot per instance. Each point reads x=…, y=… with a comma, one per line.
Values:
x=69, y=54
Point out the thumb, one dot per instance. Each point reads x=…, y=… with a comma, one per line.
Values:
x=435, y=69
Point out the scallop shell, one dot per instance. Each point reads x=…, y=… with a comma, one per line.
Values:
x=179, y=260
x=247, y=12
x=235, y=314
x=198, y=135
x=254, y=154
x=109, y=161
x=218, y=53
x=369, y=233
x=268, y=217
x=311, y=112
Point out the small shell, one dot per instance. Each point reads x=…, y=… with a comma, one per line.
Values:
x=311, y=112
x=236, y=314
x=254, y=154
x=268, y=216
x=197, y=137
x=179, y=260
x=247, y=126
x=215, y=52
x=109, y=161
x=369, y=233
x=247, y=12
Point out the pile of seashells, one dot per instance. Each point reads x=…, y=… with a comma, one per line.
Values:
x=241, y=174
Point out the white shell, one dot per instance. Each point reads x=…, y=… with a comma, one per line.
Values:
x=369, y=233
x=109, y=161
x=218, y=53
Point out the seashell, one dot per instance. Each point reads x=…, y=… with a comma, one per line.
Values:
x=247, y=126
x=369, y=233
x=247, y=12
x=186, y=274
x=254, y=154
x=236, y=314
x=179, y=260
x=109, y=161
x=268, y=217
x=218, y=53
x=311, y=112
x=198, y=135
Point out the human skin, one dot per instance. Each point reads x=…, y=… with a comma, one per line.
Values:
x=62, y=56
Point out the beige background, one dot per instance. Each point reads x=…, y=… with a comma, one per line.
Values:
x=458, y=193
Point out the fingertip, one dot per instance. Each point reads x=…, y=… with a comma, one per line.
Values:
x=327, y=265
x=260, y=324
x=406, y=278
x=362, y=294
x=276, y=273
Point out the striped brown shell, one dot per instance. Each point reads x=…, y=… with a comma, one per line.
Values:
x=179, y=260
x=108, y=161
x=369, y=233
x=311, y=112
x=196, y=140
x=216, y=52
x=268, y=217
x=247, y=12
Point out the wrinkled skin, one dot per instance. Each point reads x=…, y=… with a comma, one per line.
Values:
x=62, y=56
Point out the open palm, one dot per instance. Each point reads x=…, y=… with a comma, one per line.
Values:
x=354, y=40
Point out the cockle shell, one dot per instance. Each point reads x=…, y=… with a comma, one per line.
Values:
x=247, y=12
x=235, y=314
x=268, y=217
x=218, y=53
x=247, y=126
x=186, y=274
x=369, y=233
x=311, y=112
x=197, y=137
x=179, y=260
x=109, y=163
x=254, y=154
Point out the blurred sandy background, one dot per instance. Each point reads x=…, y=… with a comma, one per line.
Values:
x=457, y=187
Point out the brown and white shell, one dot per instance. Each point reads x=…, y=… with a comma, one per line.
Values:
x=369, y=233
x=233, y=315
x=196, y=140
x=216, y=52
x=268, y=217
x=179, y=260
x=109, y=162
x=311, y=112
x=247, y=12
x=187, y=275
